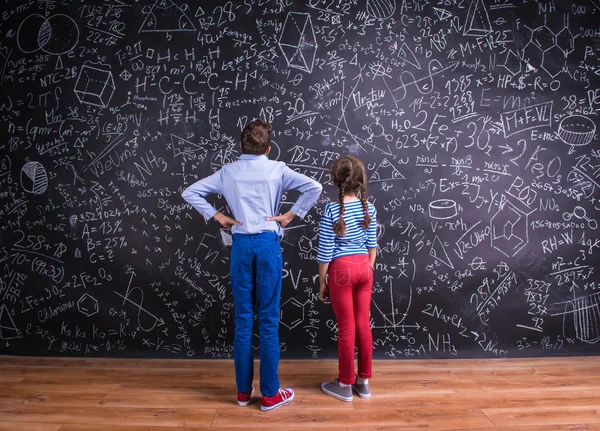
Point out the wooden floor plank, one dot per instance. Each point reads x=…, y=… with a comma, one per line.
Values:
x=547, y=416
x=574, y=382
x=114, y=416
x=77, y=398
x=82, y=427
x=579, y=427
x=482, y=401
x=10, y=379
x=397, y=416
x=24, y=426
x=54, y=386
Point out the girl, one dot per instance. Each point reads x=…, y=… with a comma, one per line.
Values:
x=347, y=251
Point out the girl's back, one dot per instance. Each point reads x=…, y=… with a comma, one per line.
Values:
x=356, y=239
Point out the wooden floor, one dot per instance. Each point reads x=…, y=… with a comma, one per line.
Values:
x=45, y=394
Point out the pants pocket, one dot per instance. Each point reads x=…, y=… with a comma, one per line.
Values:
x=340, y=276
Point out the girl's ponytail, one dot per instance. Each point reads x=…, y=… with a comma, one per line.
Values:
x=363, y=200
x=340, y=226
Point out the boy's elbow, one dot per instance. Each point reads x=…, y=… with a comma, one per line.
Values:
x=186, y=195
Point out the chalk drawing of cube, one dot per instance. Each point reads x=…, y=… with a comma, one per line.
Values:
x=298, y=42
x=94, y=86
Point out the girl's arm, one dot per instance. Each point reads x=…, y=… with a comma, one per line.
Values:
x=372, y=256
x=323, y=288
x=325, y=252
x=372, y=237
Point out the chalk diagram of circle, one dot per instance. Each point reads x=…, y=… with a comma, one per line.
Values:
x=442, y=209
x=34, y=178
x=28, y=34
x=381, y=9
x=55, y=35
x=576, y=130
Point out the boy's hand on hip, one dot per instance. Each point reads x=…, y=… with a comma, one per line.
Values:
x=225, y=221
x=283, y=219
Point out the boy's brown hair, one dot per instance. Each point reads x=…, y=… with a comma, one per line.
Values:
x=256, y=137
x=349, y=175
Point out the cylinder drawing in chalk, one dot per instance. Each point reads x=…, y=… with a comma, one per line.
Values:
x=576, y=130
x=442, y=209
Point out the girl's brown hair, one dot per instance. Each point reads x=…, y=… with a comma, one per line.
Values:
x=349, y=175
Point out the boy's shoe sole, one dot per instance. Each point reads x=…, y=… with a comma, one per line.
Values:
x=245, y=403
x=334, y=395
x=281, y=404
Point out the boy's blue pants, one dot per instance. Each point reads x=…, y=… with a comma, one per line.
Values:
x=256, y=270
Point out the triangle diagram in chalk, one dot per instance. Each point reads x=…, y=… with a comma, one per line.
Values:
x=386, y=172
x=478, y=21
x=166, y=16
x=8, y=329
x=183, y=146
x=442, y=14
x=407, y=55
x=438, y=252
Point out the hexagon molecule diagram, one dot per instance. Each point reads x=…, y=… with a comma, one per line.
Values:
x=87, y=305
x=291, y=313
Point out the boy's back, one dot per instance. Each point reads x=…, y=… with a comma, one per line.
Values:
x=253, y=186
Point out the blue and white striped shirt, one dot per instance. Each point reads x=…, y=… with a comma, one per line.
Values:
x=356, y=241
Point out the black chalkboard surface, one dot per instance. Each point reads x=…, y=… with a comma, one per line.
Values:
x=477, y=120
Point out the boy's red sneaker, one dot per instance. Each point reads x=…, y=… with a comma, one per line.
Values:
x=243, y=398
x=281, y=398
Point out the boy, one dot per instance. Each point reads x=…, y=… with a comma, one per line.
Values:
x=253, y=186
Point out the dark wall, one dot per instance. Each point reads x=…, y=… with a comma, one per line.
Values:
x=477, y=121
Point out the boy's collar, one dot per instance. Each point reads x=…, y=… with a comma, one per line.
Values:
x=252, y=156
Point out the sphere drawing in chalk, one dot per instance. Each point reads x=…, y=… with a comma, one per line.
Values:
x=34, y=178
x=381, y=9
x=60, y=36
x=55, y=35
x=576, y=130
x=30, y=36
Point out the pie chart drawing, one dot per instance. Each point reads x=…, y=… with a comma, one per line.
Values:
x=34, y=178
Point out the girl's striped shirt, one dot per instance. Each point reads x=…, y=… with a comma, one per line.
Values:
x=357, y=239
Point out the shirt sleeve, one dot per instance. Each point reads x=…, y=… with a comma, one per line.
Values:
x=196, y=193
x=372, y=231
x=309, y=189
x=326, y=237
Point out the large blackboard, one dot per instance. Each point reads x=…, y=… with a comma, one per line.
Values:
x=477, y=121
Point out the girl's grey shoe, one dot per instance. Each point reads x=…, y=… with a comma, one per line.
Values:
x=342, y=393
x=363, y=391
